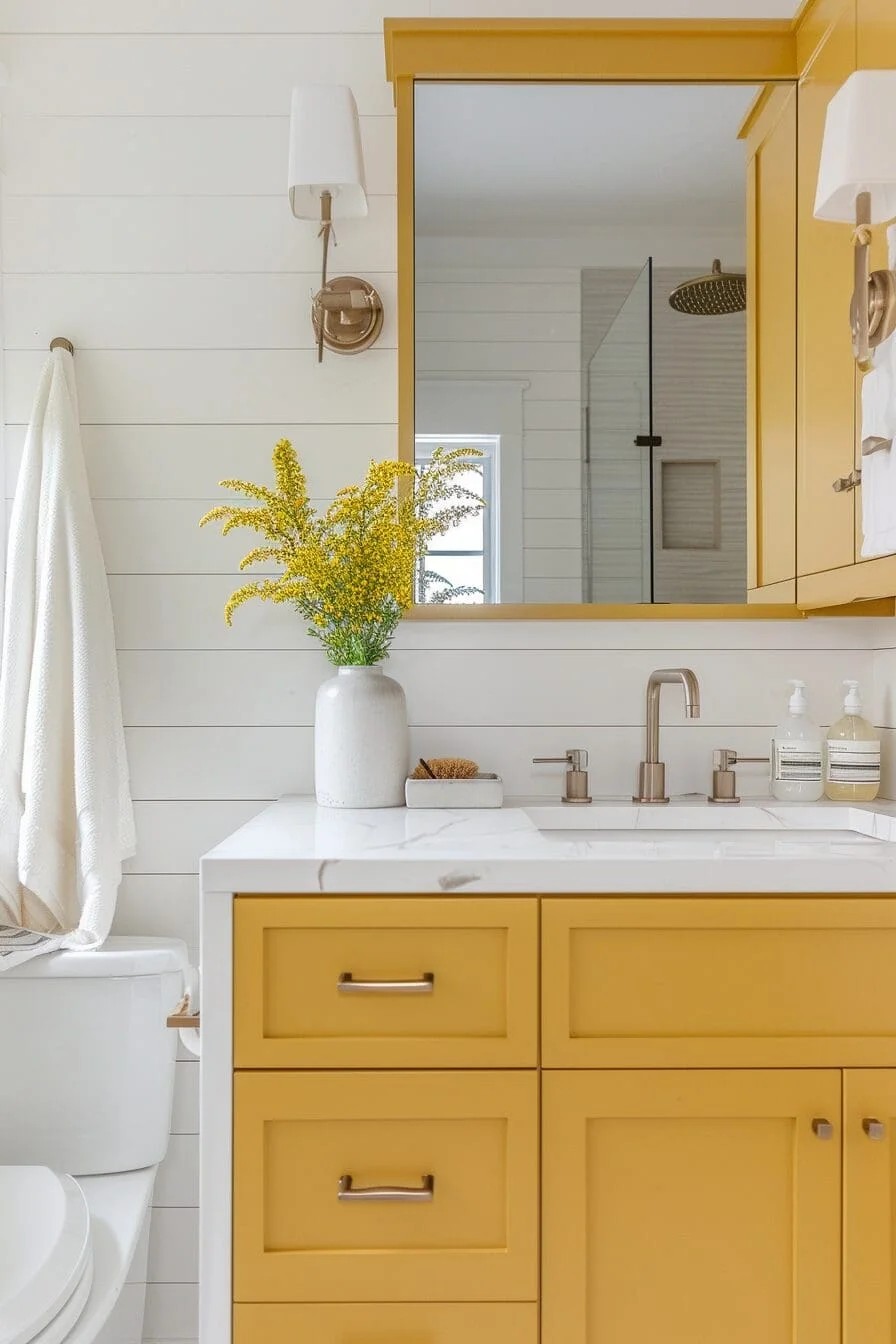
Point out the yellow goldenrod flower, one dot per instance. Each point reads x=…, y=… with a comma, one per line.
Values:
x=352, y=571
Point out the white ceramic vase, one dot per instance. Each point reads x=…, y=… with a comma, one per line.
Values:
x=361, y=742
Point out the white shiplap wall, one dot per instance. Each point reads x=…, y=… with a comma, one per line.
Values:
x=143, y=215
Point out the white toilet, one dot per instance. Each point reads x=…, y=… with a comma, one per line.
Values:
x=86, y=1084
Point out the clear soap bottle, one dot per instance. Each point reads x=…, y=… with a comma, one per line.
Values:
x=796, y=753
x=852, y=754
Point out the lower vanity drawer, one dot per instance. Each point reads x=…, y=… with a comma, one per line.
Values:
x=317, y=1159
x=387, y=1323
x=740, y=981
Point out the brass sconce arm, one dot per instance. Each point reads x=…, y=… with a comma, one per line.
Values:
x=873, y=308
x=346, y=313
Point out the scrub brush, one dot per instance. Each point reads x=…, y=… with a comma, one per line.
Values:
x=445, y=767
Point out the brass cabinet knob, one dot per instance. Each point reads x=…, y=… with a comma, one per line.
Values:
x=822, y=1129
x=875, y=1129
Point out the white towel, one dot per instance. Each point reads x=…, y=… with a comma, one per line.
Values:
x=66, y=819
x=879, y=422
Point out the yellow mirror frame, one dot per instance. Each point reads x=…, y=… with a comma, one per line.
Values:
x=578, y=50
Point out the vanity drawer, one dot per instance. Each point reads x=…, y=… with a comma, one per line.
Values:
x=298, y=1135
x=388, y=1323
x=720, y=981
x=461, y=982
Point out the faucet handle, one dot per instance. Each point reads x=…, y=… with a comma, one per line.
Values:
x=576, y=762
x=724, y=780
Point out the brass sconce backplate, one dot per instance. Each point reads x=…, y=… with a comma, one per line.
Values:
x=349, y=313
x=881, y=308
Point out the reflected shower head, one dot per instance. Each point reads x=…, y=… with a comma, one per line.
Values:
x=711, y=295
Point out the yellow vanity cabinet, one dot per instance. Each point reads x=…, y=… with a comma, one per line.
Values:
x=691, y=1205
x=629, y=1116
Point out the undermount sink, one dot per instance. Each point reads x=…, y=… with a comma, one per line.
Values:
x=607, y=821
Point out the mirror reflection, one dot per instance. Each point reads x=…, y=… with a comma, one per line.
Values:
x=580, y=293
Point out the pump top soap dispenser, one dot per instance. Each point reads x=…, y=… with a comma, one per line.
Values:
x=852, y=755
x=796, y=752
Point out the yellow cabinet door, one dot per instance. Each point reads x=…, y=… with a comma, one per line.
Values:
x=826, y=380
x=771, y=346
x=696, y=1207
x=385, y=1187
x=875, y=50
x=869, y=1185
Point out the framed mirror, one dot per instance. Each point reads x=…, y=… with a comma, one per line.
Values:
x=574, y=267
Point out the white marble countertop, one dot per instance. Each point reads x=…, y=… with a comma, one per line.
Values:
x=296, y=846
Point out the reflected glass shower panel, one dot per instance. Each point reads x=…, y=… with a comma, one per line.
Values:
x=618, y=485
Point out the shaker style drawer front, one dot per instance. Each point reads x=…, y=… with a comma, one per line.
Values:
x=354, y=982
x=388, y=1323
x=385, y=1187
x=739, y=981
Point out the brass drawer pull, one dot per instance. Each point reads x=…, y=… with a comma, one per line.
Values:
x=822, y=1129
x=393, y=1194
x=347, y=984
x=848, y=482
x=875, y=1129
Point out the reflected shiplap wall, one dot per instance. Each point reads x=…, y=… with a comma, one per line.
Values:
x=143, y=215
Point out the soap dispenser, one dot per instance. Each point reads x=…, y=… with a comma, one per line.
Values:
x=852, y=755
x=796, y=753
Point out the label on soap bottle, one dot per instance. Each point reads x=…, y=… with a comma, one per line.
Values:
x=853, y=762
x=796, y=762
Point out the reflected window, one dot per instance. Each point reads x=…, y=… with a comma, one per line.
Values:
x=462, y=564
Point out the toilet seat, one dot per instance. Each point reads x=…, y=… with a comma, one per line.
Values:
x=46, y=1260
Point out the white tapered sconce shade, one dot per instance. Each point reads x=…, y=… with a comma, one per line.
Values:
x=857, y=185
x=325, y=152
x=326, y=183
x=858, y=153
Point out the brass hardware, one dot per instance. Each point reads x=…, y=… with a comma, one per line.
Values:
x=724, y=780
x=875, y=1129
x=347, y=984
x=849, y=482
x=576, y=762
x=62, y=343
x=181, y=1017
x=822, y=1129
x=872, y=310
x=652, y=771
x=347, y=315
x=393, y=1194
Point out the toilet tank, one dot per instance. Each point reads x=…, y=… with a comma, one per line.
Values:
x=86, y=1060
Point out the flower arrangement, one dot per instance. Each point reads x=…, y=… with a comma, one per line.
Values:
x=351, y=571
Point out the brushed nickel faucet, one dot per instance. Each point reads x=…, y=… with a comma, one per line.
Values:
x=652, y=771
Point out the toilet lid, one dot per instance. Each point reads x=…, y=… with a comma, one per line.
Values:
x=44, y=1248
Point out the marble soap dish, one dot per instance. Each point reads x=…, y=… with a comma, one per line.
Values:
x=479, y=791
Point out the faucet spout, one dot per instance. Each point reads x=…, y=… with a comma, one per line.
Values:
x=652, y=773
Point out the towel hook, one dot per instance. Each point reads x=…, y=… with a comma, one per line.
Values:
x=62, y=343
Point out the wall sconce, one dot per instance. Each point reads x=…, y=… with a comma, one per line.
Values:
x=326, y=183
x=857, y=185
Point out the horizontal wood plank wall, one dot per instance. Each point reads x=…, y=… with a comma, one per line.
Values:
x=143, y=216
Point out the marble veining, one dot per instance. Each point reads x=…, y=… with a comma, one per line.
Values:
x=295, y=846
